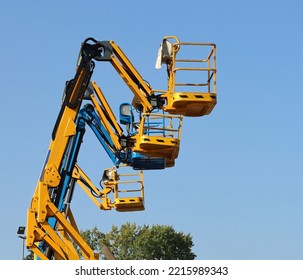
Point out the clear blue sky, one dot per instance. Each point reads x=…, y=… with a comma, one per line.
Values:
x=237, y=184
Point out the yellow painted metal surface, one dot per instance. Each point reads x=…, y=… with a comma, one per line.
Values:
x=129, y=204
x=159, y=136
x=192, y=78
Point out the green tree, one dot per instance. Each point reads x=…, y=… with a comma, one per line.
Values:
x=132, y=242
x=94, y=238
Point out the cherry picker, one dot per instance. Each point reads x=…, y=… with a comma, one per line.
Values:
x=151, y=142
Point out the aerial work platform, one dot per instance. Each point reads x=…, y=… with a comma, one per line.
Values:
x=159, y=136
x=191, y=69
x=120, y=191
x=131, y=182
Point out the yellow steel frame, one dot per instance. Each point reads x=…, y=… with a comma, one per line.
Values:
x=199, y=98
x=126, y=203
x=38, y=229
x=159, y=141
x=103, y=200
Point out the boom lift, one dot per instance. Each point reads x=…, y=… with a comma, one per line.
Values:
x=151, y=143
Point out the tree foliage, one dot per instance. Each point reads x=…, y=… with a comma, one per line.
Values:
x=132, y=242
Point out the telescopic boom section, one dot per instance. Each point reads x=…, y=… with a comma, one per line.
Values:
x=144, y=98
x=106, y=115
